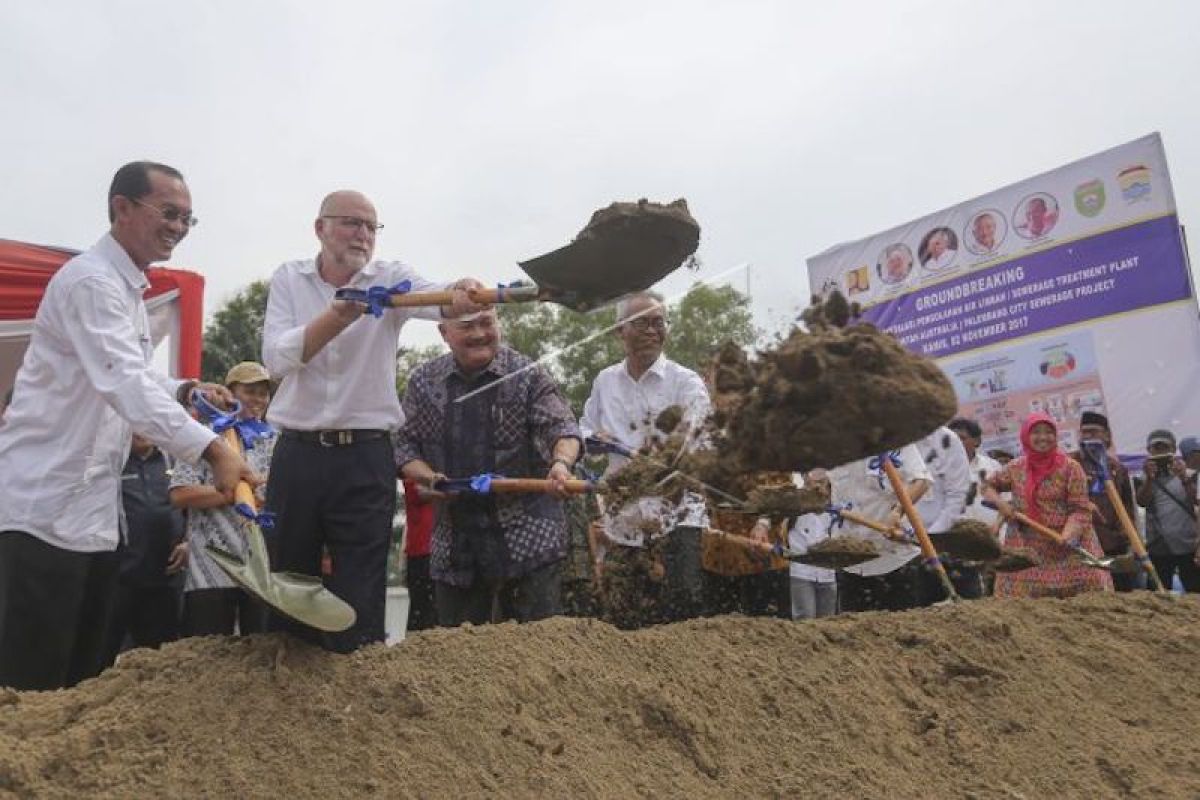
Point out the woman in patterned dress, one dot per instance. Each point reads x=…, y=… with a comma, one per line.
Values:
x=1051, y=488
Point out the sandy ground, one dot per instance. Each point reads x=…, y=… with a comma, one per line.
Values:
x=1093, y=697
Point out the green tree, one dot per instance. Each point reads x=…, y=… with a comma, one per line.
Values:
x=583, y=345
x=703, y=319
x=409, y=358
x=235, y=333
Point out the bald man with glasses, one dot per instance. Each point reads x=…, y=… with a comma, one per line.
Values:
x=332, y=482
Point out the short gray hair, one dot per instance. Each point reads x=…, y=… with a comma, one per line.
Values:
x=625, y=302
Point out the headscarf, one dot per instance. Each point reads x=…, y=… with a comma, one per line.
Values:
x=1038, y=465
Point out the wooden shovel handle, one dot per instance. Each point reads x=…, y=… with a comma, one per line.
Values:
x=1037, y=527
x=482, y=297
x=741, y=541
x=1135, y=541
x=534, y=485
x=243, y=493
x=928, y=553
x=873, y=524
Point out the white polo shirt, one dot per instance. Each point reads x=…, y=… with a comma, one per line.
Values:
x=870, y=494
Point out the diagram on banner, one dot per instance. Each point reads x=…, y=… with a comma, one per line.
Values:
x=1058, y=375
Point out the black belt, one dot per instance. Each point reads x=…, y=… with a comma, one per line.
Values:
x=335, y=438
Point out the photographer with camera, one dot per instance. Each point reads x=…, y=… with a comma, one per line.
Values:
x=1168, y=494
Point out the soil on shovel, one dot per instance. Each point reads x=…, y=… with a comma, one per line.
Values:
x=968, y=539
x=624, y=218
x=985, y=699
x=839, y=552
x=787, y=500
x=1015, y=559
x=830, y=395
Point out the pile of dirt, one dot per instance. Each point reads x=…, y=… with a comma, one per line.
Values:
x=829, y=395
x=1091, y=697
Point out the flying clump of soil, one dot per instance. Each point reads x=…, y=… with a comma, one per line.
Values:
x=834, y=393
x=787, y=500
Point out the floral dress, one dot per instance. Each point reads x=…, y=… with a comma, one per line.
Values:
x=1061, y=498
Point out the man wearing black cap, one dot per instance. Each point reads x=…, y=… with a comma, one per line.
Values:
x=1169, y=497
x=1094, y=427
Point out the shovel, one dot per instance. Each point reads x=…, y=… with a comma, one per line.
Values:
x=1118, y=564
x=928, y=553
x=302, y=597
x=1096, y=454
x=839, y=560
x=493, y=484
x=625, y=248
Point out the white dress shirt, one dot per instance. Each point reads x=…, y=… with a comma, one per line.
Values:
x=870, y=494
x=809, y=529
x=351, y=382
x=626, y=409
x=84, y=380
x=946, y=459
x=983, y=467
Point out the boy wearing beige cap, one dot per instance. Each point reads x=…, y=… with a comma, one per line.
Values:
x=212, y=603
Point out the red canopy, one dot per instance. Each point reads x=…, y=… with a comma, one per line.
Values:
x=25, y=269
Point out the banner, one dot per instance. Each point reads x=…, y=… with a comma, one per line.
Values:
x=1067, y=292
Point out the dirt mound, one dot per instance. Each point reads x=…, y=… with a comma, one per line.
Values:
x=1090, y=697
x=831, y=395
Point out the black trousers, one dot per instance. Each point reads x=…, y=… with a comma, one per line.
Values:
x=967, y=581
x=54, y=612
x=222, y=612
x=764, y=594
x=1167, y=565
x=528, y=598
x=341, y=499
x=422, y=613
x=894, y=591
x=143, y=616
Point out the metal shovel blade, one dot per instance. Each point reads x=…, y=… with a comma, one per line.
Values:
x=626, y=248
x=1118, y=565
x=302, y=597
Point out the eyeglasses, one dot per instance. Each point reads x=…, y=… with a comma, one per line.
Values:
x=355, y=223
x=171, y=214
x=646, y=323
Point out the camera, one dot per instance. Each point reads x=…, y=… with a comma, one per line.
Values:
x=1163, y=463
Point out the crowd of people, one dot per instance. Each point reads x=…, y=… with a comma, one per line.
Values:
x=83, y=576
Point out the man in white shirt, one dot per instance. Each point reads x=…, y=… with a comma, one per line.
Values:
x=83, y=388
x=982, y=467
x=626, y=399
x=942, y=506
x=332, y=482
x=887, y=582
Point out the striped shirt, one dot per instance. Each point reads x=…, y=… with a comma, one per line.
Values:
x=220, y=527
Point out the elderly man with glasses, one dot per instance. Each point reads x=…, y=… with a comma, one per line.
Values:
x=332, y=482
x=85, y=385
x=624, y=406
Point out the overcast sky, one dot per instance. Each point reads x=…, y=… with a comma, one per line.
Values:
x=487, y=132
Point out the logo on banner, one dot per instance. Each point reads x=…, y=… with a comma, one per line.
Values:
x=1089, y=197
x=1135, y=183
x=1058, y=364
x=858, y=281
